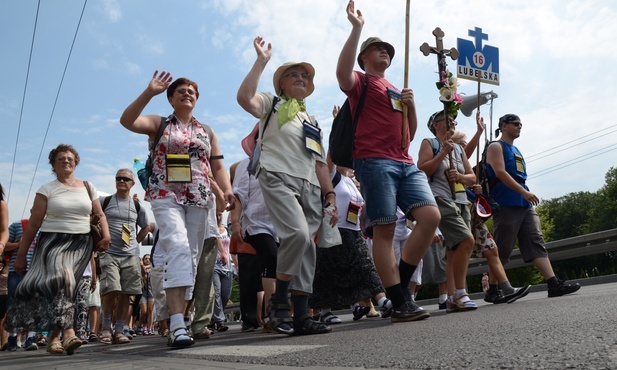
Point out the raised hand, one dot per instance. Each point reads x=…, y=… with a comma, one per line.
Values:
x=159, y=84
x=479, y=122
x=262, y=53
x=354, y=17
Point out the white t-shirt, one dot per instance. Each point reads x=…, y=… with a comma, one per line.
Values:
x=68, y=208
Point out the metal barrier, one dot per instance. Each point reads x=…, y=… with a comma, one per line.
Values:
x=578, y=246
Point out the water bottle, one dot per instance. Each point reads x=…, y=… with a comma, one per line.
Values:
x=140, y=169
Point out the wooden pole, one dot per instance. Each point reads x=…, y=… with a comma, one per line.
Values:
x=478, y=146
x=406, y=77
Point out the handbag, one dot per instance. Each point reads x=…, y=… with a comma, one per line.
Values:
x=95, y=223
x=253, y=166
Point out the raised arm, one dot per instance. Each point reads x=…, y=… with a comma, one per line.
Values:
x=475, y=140
x=247, y=93
x=131, y=117
x=347, y=58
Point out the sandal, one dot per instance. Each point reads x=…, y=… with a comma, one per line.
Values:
x=71, y=344
x=205, y=334
x=165, y=332
x=55, y=348
x=280, y=325
x=120, y=338
x=105, y=337
x=93, y=338
x=180, y=340
x=329, y=319
x=305, y=326
x=457, y=305
x=220, y=327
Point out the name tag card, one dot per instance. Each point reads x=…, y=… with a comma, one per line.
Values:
x=178, y=168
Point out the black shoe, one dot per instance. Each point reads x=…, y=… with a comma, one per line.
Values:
x=305, y=326
x=518, y=293
x=359, y=312
x=12, y=344
x=562, y=289
x=385, y=311
x=442, y=306
x=247, y=328
x=408, y=311
x=494, y=296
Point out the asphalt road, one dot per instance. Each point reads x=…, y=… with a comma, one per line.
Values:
x=571, y=332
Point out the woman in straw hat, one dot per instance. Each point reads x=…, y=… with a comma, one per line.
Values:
x=293, y=176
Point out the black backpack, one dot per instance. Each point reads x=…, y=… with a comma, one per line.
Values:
x=108, y=199
x=343, y=131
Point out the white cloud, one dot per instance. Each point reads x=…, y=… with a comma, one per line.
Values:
x=112, y=10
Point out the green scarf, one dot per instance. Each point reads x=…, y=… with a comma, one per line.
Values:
x=288, y=110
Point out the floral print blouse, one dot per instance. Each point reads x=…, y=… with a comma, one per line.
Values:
x=193, y=140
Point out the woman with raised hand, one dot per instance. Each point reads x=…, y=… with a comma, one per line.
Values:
x=179, y=189
x=293, y=176
x=61, y=215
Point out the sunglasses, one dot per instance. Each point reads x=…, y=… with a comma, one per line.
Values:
x=183, y=91
x=125, y=179
x=517, y=124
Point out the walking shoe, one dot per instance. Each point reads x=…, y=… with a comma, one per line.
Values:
x=408, y=311
x=359, y=312
x=494, y=296
x=31, y=344
x=84, y=339
x=385, y=311
x=129, y=333
x=562, y=289
x=518, y=293
x=93, y=338
x=247, y=328
x=443, y=305
x=179, y=338
x=12, y=344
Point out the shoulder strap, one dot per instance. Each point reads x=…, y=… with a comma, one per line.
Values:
x=360, y=102
x=137, y=206
x=275, y=101
x=106, y=202
x=336, y=179
x=159, y=133
x=434, y=144
x=208, y=130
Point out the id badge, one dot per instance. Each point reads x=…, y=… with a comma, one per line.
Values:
x=520, y=166
x=126, y=234
x=353, y=212
x=312, y=138
x=178, y=168
x=395, y=100
x=409, y=224
x=458, y=187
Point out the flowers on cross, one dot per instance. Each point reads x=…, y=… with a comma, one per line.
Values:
x=447, y=86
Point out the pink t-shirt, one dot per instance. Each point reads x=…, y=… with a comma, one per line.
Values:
x=379, y=130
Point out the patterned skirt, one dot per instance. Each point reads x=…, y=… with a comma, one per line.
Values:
x=344, y=274
x=44, y=299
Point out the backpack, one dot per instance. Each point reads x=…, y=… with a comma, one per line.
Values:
x=157, y=138
x=253, y=166
x=343, y=131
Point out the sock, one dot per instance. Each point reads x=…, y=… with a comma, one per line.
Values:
x=396, y=295
x=119, y=327
x=281, y=293
x=405, y=272
x=459, y=292
x=300, y=305
x=493, y=288
x=106, y=321
x=443, y=298
x=384, y=301
x=506, y=287
x=552, y=282
x=31, y=334
x=175, y=321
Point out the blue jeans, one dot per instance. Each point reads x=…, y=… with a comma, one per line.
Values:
x=386, y=184
x=13, y=280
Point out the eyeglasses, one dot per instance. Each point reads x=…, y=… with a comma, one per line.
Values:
x=183, y=91
x=517, y=124
x=62, y=159
x=296, y=75
x=122, y=178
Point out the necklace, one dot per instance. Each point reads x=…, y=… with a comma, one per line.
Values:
x=69, y=184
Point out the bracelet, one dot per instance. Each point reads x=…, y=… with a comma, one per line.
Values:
x=217, y=157
x=328, y=193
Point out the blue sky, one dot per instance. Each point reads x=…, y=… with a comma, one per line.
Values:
x=554, y=65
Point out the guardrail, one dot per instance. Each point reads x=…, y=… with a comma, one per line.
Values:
x=578, y=246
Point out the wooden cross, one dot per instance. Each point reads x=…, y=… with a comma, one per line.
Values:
x=441, y=64
x=439, y=50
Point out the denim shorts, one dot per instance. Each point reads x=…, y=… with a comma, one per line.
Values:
x=386, y=184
